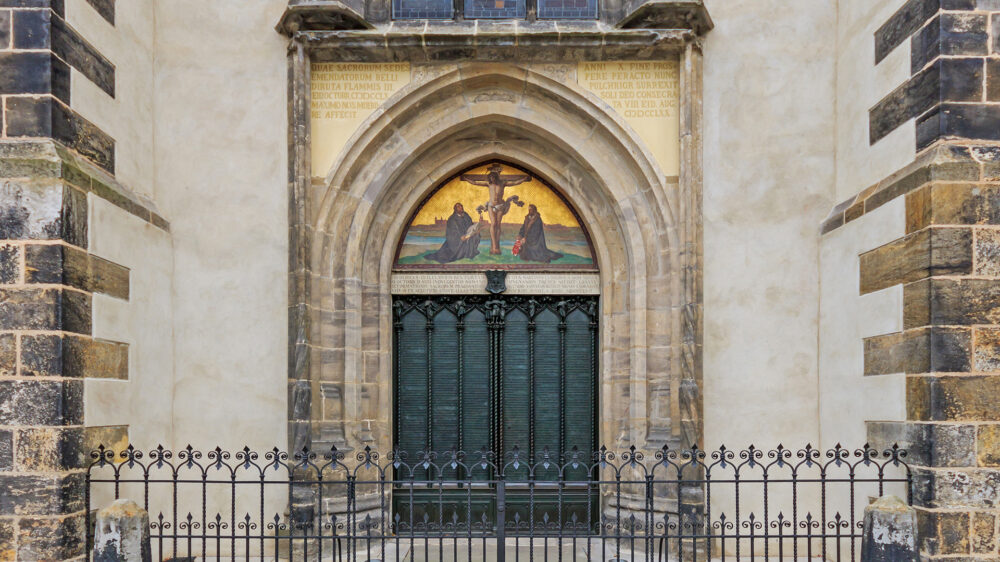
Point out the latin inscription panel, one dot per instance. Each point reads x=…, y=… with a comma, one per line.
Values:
x=647, y=95
x=475, y=284
x=343, y=96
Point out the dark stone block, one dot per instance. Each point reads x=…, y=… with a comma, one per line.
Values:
x=106, y=8
x=56, y=263
x=51, y=539
x=913, y=98
x=74, y=217
x=969, y=121
x=42, y=355
x=949, y=34
x=299, y=400
x=31, y=29
x=993, y=78
x=25, y=73
x=944, y=532
x=5, y=17
x=81, y=55
x=76, y=311
x=951, y=302
x=961, y=79
x=29, y=309
x=45, y=117
x=6, y=449
x=41, y=402
x=42, y=210
x=908, y=19
x=57, y=6
x=10, y=264
x=8, y=355
x=61, y=80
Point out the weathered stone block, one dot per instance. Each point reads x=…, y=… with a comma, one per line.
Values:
x=964, y=120
x=949, y=34
x=908, y=19
x=943, y=532
x=42, y=209
x=5, y=16
x=987, y=252
x=114, y=437
x=922, y=350
x=57, y=263
x=954, y=488
x=8, y=354
x=932, y=251
x=49, y=449
x=951, y=302
x=927, y=444
x=41, y=402
x=953, y=398
x=988, y=445
x=34, y=494
x=95, y=358
x=890, y=532
x=55, y=538
x=122, y=533
x=10, y=263
x=986, y=354
x=983, y=535
x=8, y=534
x=31, y=29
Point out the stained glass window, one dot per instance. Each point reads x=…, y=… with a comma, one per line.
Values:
x=494, y=9
x=567, y=9
x=422, y=9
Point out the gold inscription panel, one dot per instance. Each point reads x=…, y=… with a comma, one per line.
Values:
x=343, y=96
x=647, y=95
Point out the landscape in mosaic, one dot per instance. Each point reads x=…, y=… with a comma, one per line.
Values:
x=495, y=217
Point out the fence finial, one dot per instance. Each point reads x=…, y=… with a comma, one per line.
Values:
x=122, y=533
x=890, y=533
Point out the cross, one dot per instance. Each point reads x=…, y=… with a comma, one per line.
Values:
x=496, y=207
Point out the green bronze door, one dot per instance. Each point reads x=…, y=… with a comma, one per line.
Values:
x=513, y=375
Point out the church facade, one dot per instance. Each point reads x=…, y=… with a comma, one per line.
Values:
x=428, y=225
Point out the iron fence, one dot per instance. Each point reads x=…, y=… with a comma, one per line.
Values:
x=667, y=505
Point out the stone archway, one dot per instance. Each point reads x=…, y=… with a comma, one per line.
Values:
x=431, y=130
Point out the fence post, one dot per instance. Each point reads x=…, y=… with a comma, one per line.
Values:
x=890, y=532
x=501, y=520
x=122, y=533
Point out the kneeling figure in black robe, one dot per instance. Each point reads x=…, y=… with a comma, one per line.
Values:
x=461, y=239
x=532, y=233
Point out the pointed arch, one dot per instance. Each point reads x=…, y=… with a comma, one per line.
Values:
x=433, y=130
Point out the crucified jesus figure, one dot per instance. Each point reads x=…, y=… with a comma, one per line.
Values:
x=497, y=206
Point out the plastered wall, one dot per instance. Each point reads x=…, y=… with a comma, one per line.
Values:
x=221, y=179
x=860, y=85
x=769, y=181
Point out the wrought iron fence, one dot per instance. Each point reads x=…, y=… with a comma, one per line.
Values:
x=667, y=505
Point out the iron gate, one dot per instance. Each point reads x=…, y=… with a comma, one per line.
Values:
x=677, y=505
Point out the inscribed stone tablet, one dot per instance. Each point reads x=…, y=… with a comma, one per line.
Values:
x=343, y=96
x=647, y=95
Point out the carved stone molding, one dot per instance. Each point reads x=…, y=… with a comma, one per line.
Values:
x=320, y=15
x=669, y=14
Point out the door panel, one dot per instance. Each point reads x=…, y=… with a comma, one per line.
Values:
x=514, y=375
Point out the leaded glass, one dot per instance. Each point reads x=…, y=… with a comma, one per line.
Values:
x=422, y=9
x=482, y=9
x=567, y=9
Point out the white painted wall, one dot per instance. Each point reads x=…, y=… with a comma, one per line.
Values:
x=769, y=182
x=144, y=402
x=127, y=117
x=860, y=85
x=220, y=164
